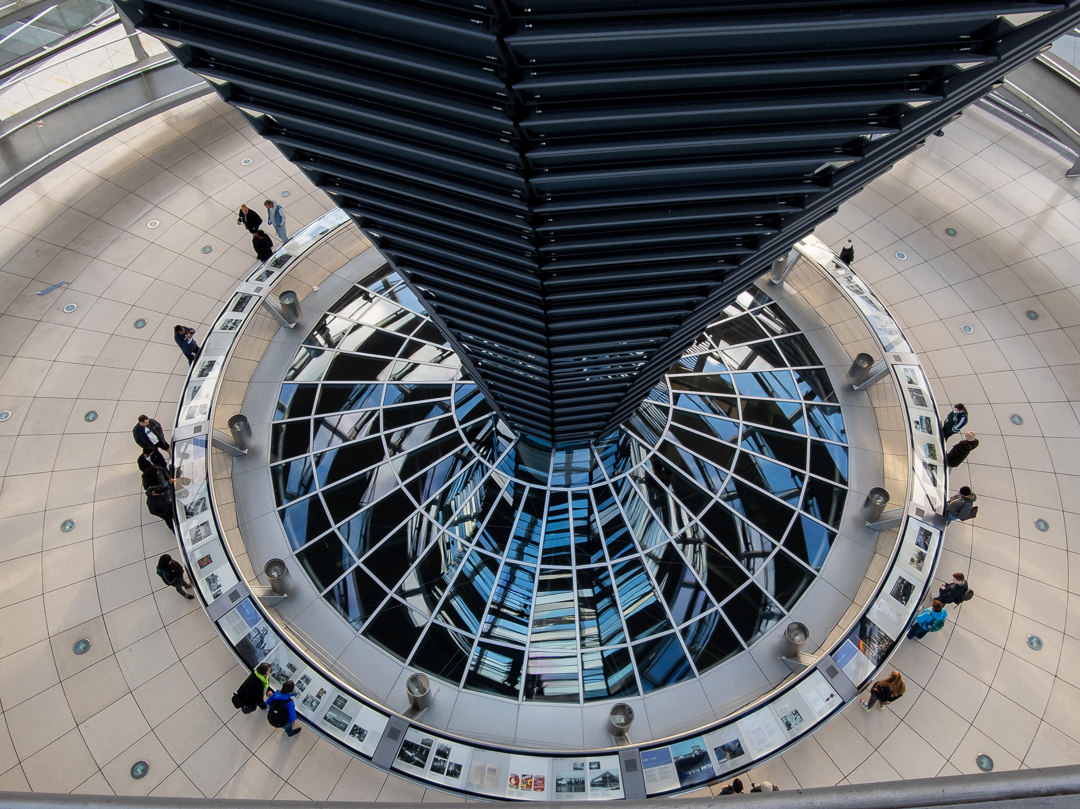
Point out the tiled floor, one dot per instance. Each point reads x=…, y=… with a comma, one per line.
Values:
x=156, y=682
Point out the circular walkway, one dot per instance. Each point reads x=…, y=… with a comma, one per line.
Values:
x=156, y=681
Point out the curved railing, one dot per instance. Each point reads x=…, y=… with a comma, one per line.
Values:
x=390, y=740
x=76, y=97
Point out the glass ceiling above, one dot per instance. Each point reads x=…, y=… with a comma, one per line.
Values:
x=587, y=573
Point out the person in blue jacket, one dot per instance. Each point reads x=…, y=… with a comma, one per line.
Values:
x=185, y=338
x=954, y=422
x=932, y=619
x=285, y=695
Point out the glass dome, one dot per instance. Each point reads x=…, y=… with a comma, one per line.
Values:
x=568, y=573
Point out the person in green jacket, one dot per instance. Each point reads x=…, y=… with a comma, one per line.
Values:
x=252, y=692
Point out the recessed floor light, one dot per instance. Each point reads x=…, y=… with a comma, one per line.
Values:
x=207, y=248
x=1016, y=418
x=81, y=646
x=984, y=762
x=71, y=307
x=246, y=161
x=1035, y=642
x=966, y=329
x=1042, y=525
x=1032, y=314
x=950, y=231
x=139, y=770
x=91, y=415
x=153, y=223
x=140, y=323
x=5, y=415
x=286, y=193
x=67, y=526
x=902, y=256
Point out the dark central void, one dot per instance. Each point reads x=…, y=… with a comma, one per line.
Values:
x=592, y=571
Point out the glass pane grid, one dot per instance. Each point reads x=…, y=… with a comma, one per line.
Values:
x=568, y=575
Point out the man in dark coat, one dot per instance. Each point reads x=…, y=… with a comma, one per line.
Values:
x=151, y=457
x=149, y=435
x=847, y=252
x=173, y=574
x=185, y=338
x=263, y=244
x=249, y=219
x=953, y=592
x=961, y=449
x=160, y=504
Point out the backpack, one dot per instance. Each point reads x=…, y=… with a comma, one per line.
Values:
x=237, y=702
x=968, y=595
x=937, y=625
x=277, y=713
x=971, y=515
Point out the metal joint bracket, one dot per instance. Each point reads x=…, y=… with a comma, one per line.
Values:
x=273, y=306
x=889, y=519
x=221, y=441
x=266, y=595
x=799, y=662
x=877, y=373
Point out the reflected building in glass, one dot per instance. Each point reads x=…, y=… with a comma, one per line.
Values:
x=596, y=572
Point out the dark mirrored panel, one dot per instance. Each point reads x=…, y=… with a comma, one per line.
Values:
x=661, y=662
x=560, y=561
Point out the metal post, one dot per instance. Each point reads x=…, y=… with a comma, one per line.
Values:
x=278, y=574
x=860, y=369
x=290, y=307
x=874, y=504
x=241, y=431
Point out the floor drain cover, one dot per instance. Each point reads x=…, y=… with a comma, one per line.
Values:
x=81, y=646
x=139, y=769
x=71, y=307
x=1035, y=642
x=67, y=526
x=1016, y=418
x=966, y=329
x=91, y=415
x=984, y=762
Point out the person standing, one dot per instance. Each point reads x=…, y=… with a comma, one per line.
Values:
x=151, y=457
x=280, y=711
x=160, y=504
x=275, y=215
x=149, y=435
x=885, y=691
x=932, y=619
x=173, y=574
x=185, y=338
x=961, y=506
x=252, y=692
x=263, y=244
x=961, y=449
x=734, y=788
x=953, y=592
x=847, y=252
x=249, y=219
x=954, y=422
